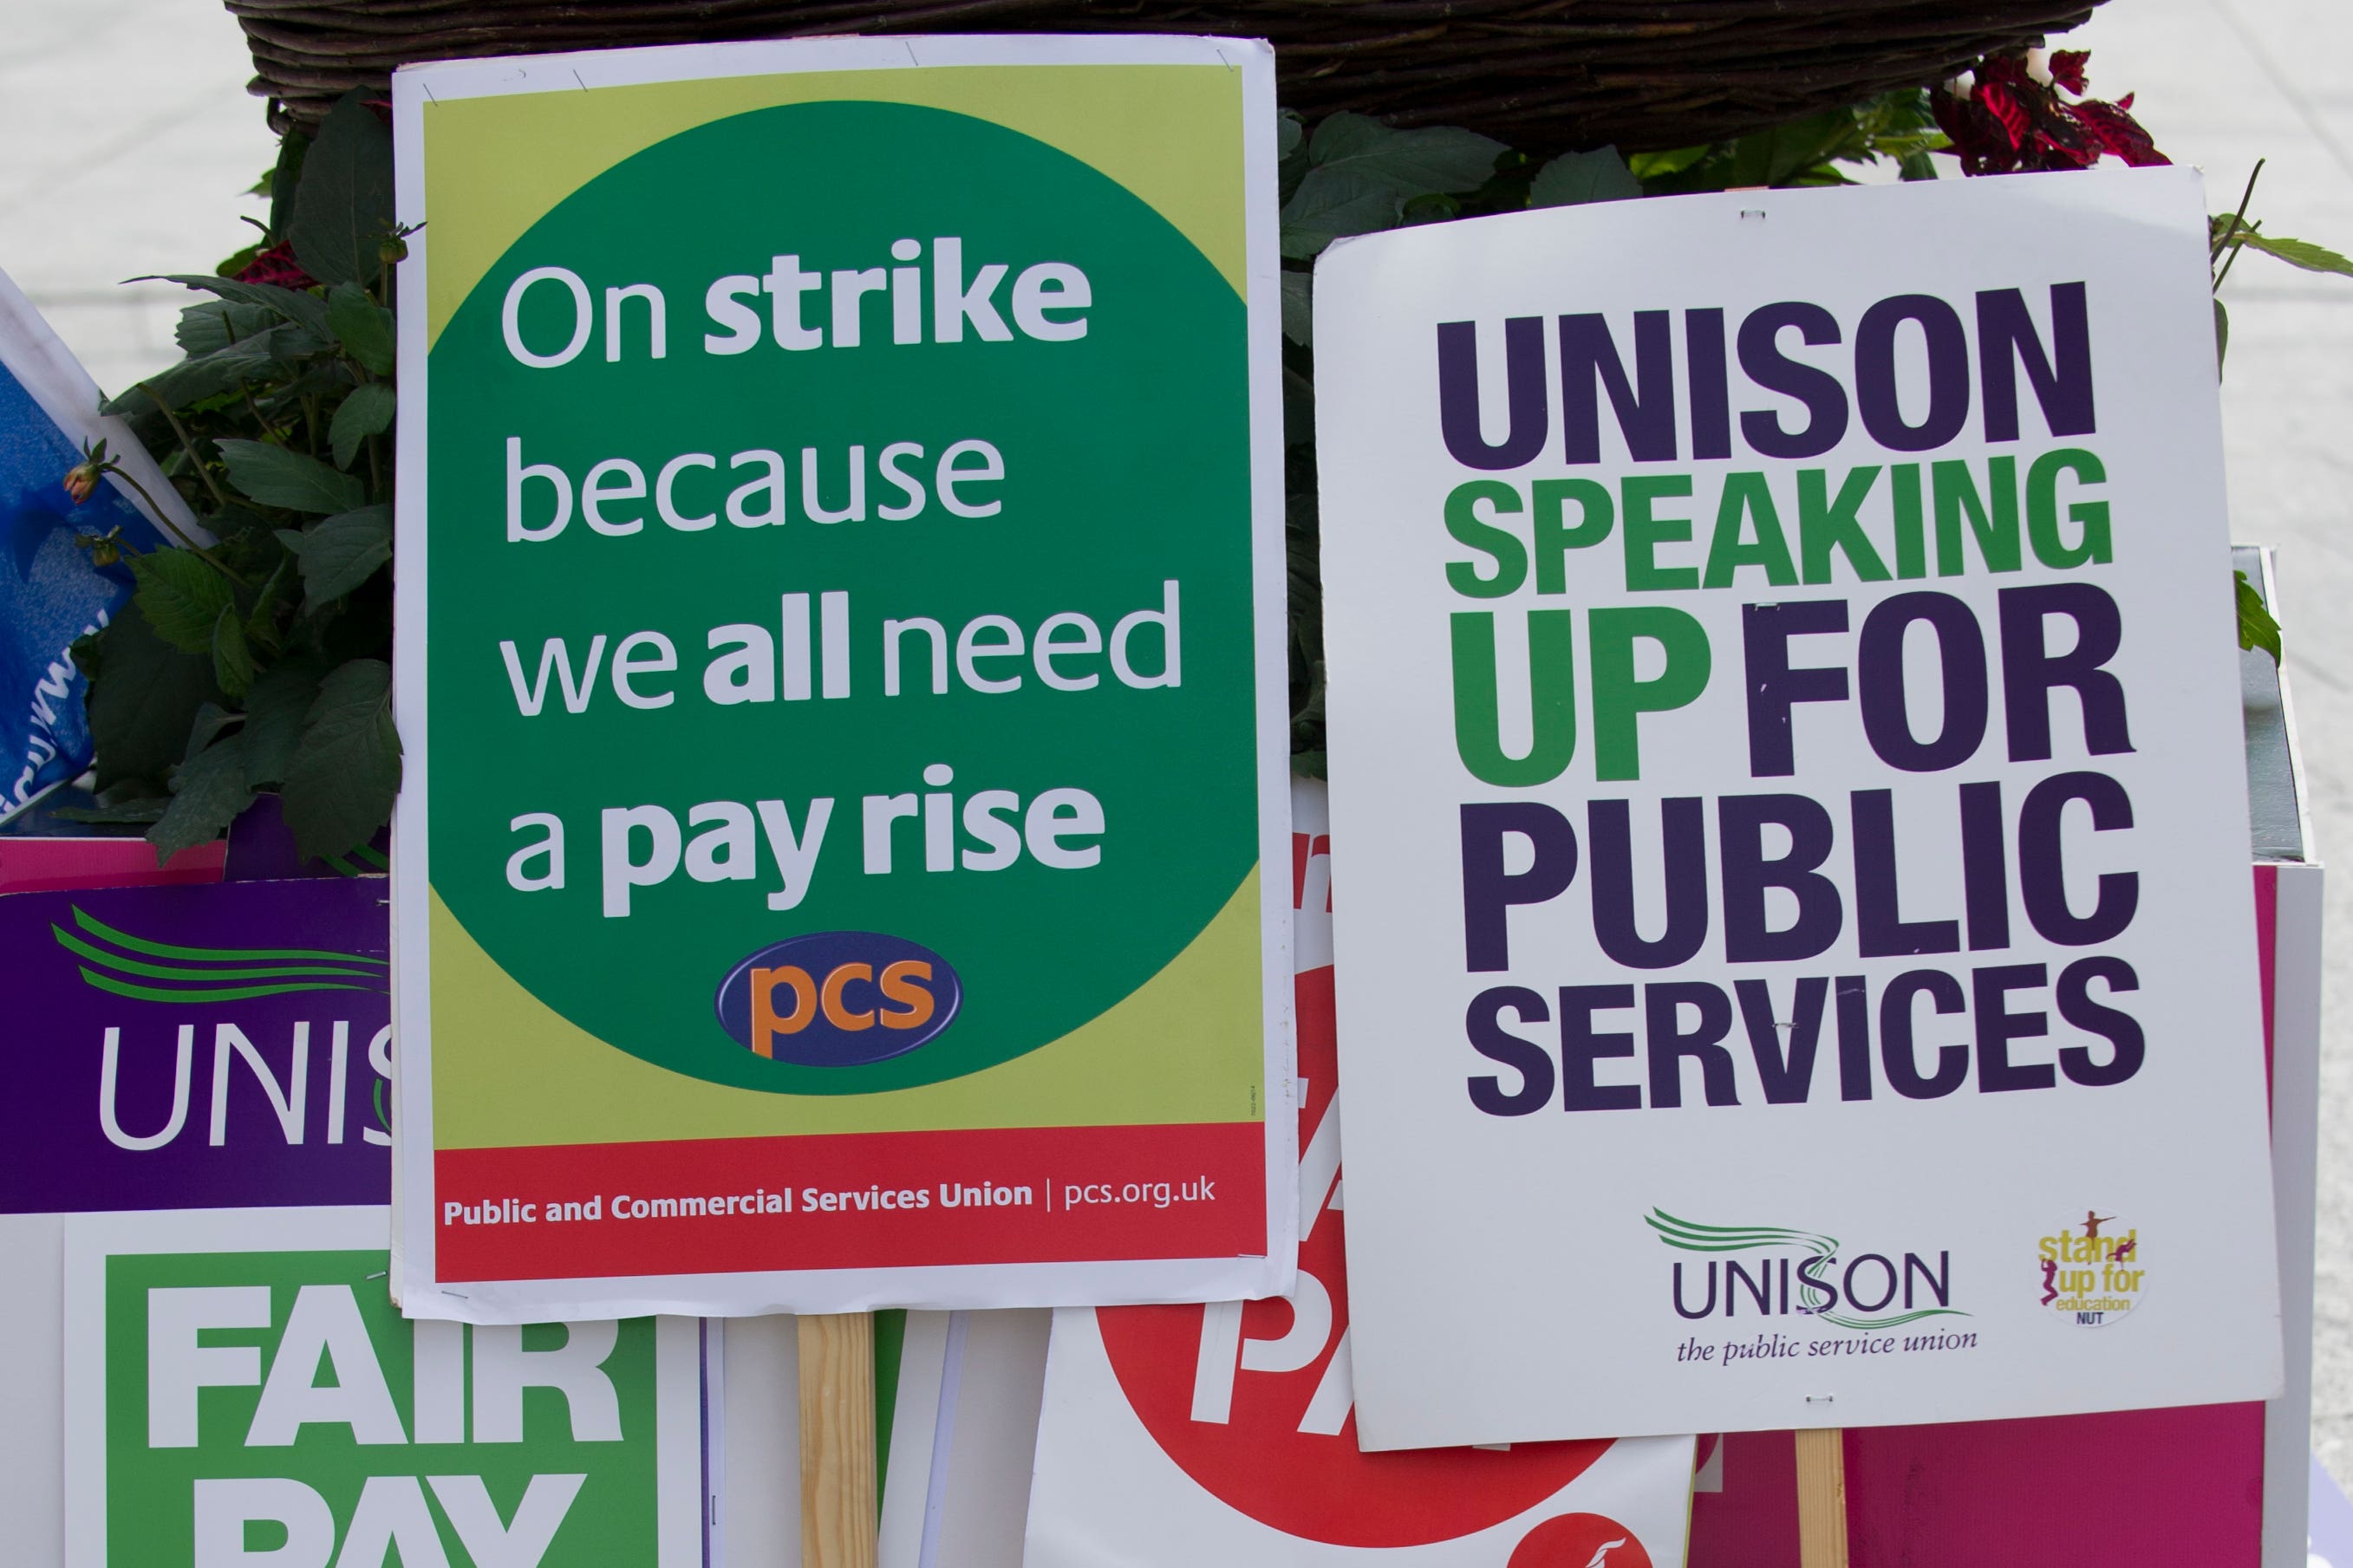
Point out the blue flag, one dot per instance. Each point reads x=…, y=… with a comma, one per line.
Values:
x=51, y=593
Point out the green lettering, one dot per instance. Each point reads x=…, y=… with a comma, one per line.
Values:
x=1995, y=533
x=1552, y=698
x=1644, y=533
x=1619, y=699
x=1552, y=540
x=1825, y=525
x=1747, y=495
x=2042, y=508
x=1464, y=521
x=1911, y=526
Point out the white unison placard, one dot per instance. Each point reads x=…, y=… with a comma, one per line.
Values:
x=1797, y=966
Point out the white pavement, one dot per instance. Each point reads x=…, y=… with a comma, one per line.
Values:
x=126, y=138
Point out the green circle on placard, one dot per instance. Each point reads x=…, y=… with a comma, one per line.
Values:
x=1127, y=460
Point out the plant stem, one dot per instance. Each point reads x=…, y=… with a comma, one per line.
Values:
x=245, y=390
x=187, y=444
x=2240, y=217
x=2227, y=266
x=2231, y=241
x=165, y=518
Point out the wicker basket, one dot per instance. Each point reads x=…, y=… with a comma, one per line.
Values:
x=1541, y=75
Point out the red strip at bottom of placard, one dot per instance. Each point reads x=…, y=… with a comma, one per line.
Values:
x=867, y=1200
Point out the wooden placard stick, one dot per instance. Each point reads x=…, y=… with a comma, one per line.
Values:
x=838, y=1506
x=1821, y=1498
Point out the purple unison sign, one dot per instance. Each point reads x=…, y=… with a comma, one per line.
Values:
x=212, y=1046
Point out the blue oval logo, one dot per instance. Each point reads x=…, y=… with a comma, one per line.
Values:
x=838, y=999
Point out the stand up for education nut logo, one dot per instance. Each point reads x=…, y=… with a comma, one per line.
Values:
x=2092, y=1270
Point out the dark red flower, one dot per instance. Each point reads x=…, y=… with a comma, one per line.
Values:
x=1996, y=99
x=2112, y=130
x=277, y=265
x=2007, y=122
x=2009, y=69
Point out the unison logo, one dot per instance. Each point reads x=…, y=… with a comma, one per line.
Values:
x=1800, y=1272
x=123, y=964
x=838, y=998
x=127, y=965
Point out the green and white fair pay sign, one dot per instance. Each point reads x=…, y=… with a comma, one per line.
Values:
x=239, y=1389
x=841, y=667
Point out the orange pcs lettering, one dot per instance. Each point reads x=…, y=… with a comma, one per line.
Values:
x=836, y=1014
x=898, y=986
x=765, y=1023
x=904, y=982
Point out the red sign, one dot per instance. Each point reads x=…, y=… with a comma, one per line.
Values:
x=1255, y=1401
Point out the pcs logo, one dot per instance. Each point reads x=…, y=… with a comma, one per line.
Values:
x=838, y=998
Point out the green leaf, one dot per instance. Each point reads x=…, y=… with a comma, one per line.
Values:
x=265, y=356
x=308, y=309
x=1437, y=159
x=339, y=786
x=2298, y=253
x=1331, y=203
x=2256, y=628
x=285, y=180
x=1915, y=166
x=210, y=720
x=327, y=378
x=1435, y=207
x=130, y=811
x=1290, y=132
x=1576, y=178
x=261, y=621
x=1299, y=307
x=274, y=713
x=1291, y=167
x=211, y=325
x=343, y=207
x=363, y=326
x=207, y=793
x=340, y=553
x=181, y=594
x=1898, y=127
x=1657, y=165
x=367, y=412
x=1771, y=157
x=1904, y=111
x=233, y=665
x=276, y=476
x=2222, y=337
x=1298, y=409
x=143, y=698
